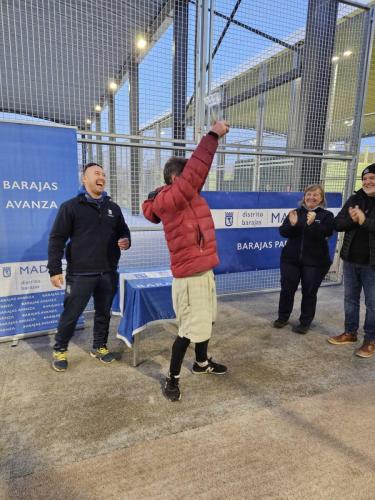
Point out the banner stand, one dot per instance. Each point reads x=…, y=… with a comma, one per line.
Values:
x=38, y=172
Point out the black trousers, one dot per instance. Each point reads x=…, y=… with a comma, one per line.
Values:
x=179, y=348
x=79, y=289
x=311, y=278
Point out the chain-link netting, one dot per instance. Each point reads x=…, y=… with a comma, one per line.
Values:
x=143, y=80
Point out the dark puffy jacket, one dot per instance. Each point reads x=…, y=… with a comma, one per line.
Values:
x=188, y=225
x=343, y=222
x=92, y=231
x=307, y=244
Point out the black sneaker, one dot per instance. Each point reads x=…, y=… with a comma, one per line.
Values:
x=301, y=329
x=279, y=323
x=171, y=390
x=103, y=354
x=211, y=367
x=59, y=361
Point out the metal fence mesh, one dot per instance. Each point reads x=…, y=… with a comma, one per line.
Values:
x=143, y=80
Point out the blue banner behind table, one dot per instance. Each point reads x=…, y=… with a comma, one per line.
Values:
x=38, y=172
x=247, y=227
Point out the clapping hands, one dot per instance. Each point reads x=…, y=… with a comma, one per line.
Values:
x=310, y=217
x=357, y=215
x=293, y=217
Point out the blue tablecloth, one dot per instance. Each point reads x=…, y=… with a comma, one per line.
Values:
x=146, y=300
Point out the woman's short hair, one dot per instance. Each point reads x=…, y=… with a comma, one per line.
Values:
x=313, y=187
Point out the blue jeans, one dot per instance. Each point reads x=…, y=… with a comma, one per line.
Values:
x=79, y=289
x=356, y=277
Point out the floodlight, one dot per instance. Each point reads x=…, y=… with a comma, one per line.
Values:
x=112, y=85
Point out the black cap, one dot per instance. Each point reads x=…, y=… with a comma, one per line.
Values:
x=369, y=170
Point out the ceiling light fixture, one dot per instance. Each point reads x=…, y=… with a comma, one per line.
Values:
x=141, y=43
x=112, y=85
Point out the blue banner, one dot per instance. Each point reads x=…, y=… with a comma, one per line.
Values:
x=247, y=227
x=38, y=172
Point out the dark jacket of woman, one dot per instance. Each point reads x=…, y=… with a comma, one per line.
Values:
x=307, y=244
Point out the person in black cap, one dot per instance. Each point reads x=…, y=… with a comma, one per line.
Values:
x=91, y=229
x=357, y=219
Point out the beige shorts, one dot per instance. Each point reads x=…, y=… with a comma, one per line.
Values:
x=195, y=305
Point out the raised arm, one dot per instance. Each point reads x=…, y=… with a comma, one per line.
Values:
x=194, y=175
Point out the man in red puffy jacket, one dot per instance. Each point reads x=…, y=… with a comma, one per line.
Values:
x=190, y=234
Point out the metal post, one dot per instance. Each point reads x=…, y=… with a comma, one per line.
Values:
x=98, y=128
x=134, y=130
x=315, y=85
x=179, y=84
x=365, y=62
x=89, y=152
x=259, y=127
x=295, y=90
x=136, y=342
x=210, y=43
x=330, y=115
x=84, y=151
x=201, y=69
x=331, y=106
x=293, y=130
x=158, y=169
x=112, y=149
x=220, y=169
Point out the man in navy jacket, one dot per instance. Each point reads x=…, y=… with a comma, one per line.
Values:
x=96, y=232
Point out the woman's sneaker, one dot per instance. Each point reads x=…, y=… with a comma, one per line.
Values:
x=210, y=367
x=59, y=361
x=301, y=329
x=171, y=390
x=279, y=323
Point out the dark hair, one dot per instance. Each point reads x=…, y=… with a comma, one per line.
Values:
x=174, y=166
x=88, y=165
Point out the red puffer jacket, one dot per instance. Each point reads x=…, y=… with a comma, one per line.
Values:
x=188, y=225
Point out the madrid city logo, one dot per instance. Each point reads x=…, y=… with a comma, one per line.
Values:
x=229, y=219
x=7, y=272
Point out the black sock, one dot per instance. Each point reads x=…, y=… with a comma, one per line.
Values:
x=201, y=351
x=178, y=352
